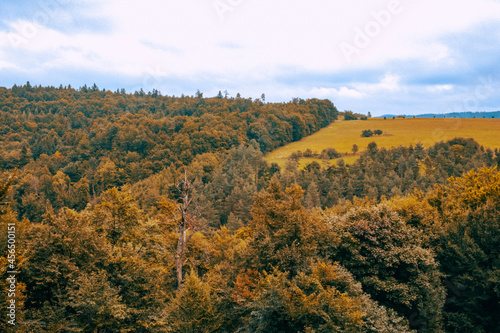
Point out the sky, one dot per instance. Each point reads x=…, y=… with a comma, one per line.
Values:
x=378, y=56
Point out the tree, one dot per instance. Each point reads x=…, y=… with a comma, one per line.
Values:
x=4, y=192
x=11, y=259
x=102, y=269
x=312, y=198
x=354, y=149
x=282, y=306
x=330, y=153
x=366, y=133
x=187, y=222
x=387, y=257
x=323, y=298
x=372, y=147
x=107, y=175
x=349, y=115
x=59, y=251
x=194, y=308
x=97, y=304
x=282, y=230
x=468, y=250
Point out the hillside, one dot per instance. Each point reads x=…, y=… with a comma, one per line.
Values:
x=342, y=135
x=89, y=127
x=149, y=213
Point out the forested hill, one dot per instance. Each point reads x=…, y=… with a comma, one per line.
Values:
x=79, y=128
x=148, y=213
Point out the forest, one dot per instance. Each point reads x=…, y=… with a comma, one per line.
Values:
x=138, y=212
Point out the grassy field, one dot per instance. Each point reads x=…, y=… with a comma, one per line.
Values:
x=341, y=135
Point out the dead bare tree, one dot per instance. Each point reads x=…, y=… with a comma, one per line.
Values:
x=187, y=223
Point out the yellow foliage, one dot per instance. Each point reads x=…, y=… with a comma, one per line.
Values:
x=244, y=286
x=169, y=213
x=475, y=187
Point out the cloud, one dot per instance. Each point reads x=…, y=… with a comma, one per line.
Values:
x=424, y=53
x=389, y=83
x=6, y=65
x=333, y=93
x=440, y=88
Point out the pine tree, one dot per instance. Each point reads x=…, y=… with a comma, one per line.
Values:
x=312, y=198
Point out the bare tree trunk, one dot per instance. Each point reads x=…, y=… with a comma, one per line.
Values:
x=180, y=251
x=186, y=223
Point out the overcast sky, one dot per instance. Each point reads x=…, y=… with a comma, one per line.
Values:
x=401, y=57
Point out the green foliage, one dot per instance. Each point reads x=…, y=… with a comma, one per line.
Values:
x=399, y=171
x=97, y=305
x=325, y=298
x=194, y=308
x=283, y=231
x=98, y=270
x=94, y=206
x=386, y=256
x=366, y=133
x=112, y=139
x=302, y=306
x=469, y=251
x=349, y=115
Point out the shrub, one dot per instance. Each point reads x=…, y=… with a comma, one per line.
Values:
x=330, y=153
x=366, y=133
x=308, y=153
x=349, y=115
x=296, y=155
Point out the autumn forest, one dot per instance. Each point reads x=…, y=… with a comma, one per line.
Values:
x=140, y=212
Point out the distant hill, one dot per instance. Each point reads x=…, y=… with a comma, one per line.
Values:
x=481, y=114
